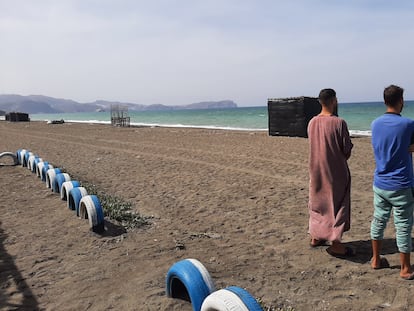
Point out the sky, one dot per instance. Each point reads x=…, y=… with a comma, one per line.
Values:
x=177, y=52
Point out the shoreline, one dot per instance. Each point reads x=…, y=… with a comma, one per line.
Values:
x=353, y=133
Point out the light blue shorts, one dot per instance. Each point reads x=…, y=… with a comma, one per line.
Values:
x=402, y=203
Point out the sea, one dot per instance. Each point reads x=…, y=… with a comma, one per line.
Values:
x=357, y=115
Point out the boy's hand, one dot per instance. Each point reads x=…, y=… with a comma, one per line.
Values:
x=411, y=148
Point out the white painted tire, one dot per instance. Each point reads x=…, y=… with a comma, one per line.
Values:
x=59, y=180
x=30, y=161
x=31, y=164
x=11, y=155
x=74, y=198
x=26, y=158
x=189, y=280
x=50, y=176
x=35, y=164
x=39, y=168
x=19, y=155
x=90, y=208
x=45, y=168
x=232, y=298
x=66, y=187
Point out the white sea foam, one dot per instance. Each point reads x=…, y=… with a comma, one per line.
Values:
x=360, y=133
x=211, y=127
x=354, y=133
x=88, y=121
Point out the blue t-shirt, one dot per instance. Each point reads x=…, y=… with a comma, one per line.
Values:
x=391, y=137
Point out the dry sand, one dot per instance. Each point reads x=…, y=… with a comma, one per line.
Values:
x=236, y=201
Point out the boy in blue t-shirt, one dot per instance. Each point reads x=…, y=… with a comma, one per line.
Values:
x=393, y=180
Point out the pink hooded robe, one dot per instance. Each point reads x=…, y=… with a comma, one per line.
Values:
x=330, y=179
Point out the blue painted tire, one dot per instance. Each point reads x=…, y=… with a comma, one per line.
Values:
x=26, y=156
x=50, y=176
x=189, y=280
x=18, y=155
x=45, y=168
x=232, y=298
x=35, y=164
x=58, y=181
x=66, y=187
x=74, y=198
x=39, y=168
x=90, y=208
x=30, y=161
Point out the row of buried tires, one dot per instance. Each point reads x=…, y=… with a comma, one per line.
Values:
x=189, y=280
x=86, y=206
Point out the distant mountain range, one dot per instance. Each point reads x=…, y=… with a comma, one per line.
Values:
x=43, y=104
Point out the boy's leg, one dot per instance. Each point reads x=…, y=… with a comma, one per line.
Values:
x=403, y=220
x=382, y=212
x=376, y=251
x=406, y=271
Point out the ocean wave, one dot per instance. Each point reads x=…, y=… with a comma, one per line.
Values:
x=360, y=133
x=210, y=127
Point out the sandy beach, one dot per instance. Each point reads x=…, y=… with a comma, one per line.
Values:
x=236, y=201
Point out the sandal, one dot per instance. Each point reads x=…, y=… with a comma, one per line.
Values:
x=317, y=243
x=408, y=277
x=349, y=252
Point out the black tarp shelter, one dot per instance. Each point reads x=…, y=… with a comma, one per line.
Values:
x=290, y=116
x=17, y=117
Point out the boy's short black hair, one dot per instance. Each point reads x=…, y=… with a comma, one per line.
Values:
x=392, y=95
x=326, y=95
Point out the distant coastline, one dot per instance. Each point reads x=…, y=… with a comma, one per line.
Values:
x=34, y=104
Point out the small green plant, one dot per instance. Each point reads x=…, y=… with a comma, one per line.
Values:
x=117, y=208
x=273, y=308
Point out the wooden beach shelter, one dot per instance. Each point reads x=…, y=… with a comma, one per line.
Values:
x=119, y=115
x=290, y=116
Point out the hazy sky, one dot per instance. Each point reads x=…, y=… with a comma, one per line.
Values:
x=184, y=51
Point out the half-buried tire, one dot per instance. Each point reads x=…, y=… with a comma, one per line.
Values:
x=26, y=156
x=19, y=155
x=59, y=180
x=35, y=164
x=232, y=298
x=66, y=187
x=30, y=161
x=45, y=168
x=189, y=280
x=90, y=208
x=39, y=168
x=74, y=198
x=50, y=176
x=9, y=155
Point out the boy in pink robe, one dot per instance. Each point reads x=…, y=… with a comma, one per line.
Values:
x=330, y=180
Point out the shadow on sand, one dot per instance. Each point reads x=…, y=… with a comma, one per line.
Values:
x=364, y=250
x=112, y=230
x=15, y=294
